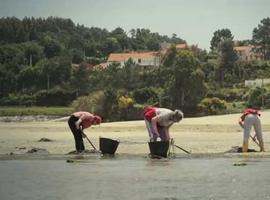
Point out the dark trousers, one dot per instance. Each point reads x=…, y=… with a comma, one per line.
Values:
x=77, y=133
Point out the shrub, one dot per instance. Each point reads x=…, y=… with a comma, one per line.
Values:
x=125, y=102
x=145, y=95
x=18, y=99
x=212, y=105
x=54, y=97
x=93, y=103
x=256, y=97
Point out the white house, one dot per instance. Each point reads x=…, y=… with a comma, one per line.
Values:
x=142, y=59
x=257, y=82
x=246, y=53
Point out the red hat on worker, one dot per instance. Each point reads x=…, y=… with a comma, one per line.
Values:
x=97, y=119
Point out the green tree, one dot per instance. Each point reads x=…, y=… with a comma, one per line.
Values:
x=168, y=59
x=256, y=97
x=33, y=52
x=227, y=59
x=111, y=45
x=121, y=37
x=261, y=37
x=185, y=80
x=219, y=37
x=80, y=80
x=52, y=47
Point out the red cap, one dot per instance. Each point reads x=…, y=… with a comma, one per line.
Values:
x=97, y=119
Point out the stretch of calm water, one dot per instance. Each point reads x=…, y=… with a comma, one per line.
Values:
x=136, y=178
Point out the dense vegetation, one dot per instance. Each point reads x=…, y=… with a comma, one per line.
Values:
x=49, y=62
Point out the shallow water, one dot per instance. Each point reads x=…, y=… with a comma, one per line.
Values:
x=135, y=177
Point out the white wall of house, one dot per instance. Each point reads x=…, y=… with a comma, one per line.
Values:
x=148, y=62
x=155, y=61
x=257, y=82
x=246, y=53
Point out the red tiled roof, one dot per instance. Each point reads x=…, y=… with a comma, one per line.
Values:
x=182, y=46
x=242, y=48
x=120, y=57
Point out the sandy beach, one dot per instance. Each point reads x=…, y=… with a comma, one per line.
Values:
x=210, y=134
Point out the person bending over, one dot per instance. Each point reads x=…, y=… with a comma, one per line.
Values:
x=79, y=121
x=250, y=118
x=159, y=120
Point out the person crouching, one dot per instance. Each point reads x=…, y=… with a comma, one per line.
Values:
x=159, y=120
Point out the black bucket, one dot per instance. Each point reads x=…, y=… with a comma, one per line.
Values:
x=159, y=148
x=107, y=145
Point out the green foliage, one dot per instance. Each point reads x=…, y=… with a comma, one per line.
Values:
x=93, y=103
x=219, y=37
x=146, y=95
x=254, y=69
x=34, y=110
x=226, y=63
x=256, y=97
x=234, y=107
x=125, y=102
x=228, y=94
x=212, y=105
x=111, y=104
x=261, y=37
x=130, y=113
x=80, y=79
x=54, y=97
x=185, y=80
x=18, y=99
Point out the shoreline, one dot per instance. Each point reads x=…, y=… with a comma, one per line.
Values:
x=29, y=118
x=120, y=156
x=200, y=135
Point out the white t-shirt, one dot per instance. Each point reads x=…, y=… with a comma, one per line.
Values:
x=164, y=116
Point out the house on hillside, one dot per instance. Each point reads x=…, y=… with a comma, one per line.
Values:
x=247, y=53
x=101, y=66
x=257, y=82
x=164, y=46
x=142, y=59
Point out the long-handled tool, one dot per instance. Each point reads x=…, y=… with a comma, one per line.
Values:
x=255, y=140
x=84, y=135
x=174, y=145
x=182, y=149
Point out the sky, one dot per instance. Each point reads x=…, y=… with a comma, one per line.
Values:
x=192, y=20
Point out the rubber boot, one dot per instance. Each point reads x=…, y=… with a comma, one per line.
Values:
x=262, y=147
x=245, y=147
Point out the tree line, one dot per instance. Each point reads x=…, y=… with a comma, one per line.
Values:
x=38, y=57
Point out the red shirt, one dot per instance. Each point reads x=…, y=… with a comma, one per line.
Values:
x=249, y=111
x=149, y=113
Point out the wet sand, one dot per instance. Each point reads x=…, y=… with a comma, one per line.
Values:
x=208, y=173
x=211, y=134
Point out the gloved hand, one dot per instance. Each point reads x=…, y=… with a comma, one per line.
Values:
x=158, y=139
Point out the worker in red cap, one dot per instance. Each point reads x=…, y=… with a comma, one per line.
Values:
x=79, y=121
x=159, y=120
